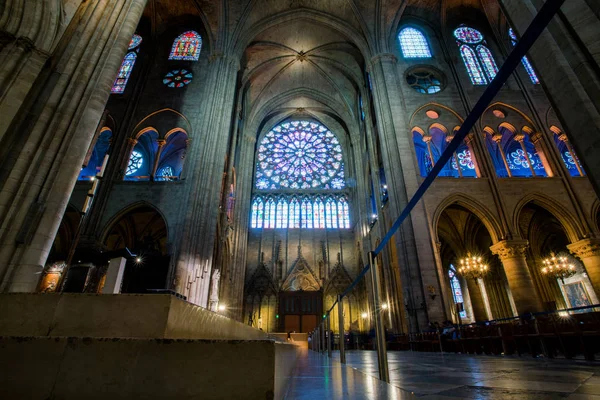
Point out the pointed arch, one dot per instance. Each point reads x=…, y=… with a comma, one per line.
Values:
x=473, y=66
x=489, y=64
x=256, y=220
x=488, y=219
x=574, y=230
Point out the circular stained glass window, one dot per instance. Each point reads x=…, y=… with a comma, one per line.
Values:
x=178, y=78
x=425, y=80
x=468, y=35
x=300, y=155
x=135, y=163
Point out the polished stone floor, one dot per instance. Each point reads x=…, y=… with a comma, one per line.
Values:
x=444, y=377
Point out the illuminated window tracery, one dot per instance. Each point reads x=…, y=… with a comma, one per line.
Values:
x=306, y=157
x=478, y=59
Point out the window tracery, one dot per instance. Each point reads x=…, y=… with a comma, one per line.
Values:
x=304, y=157
x=478, y=59
x=457, y=293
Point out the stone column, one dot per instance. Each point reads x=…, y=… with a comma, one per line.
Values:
x=477, y=301
x=414, y=247
x=588, y=251
x=50, y=138
x=560, y=56
x=197, y=238
x=512, y=254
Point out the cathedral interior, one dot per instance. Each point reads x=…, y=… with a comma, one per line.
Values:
x=236, y=162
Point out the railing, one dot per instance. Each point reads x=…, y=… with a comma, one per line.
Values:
x=323, y=331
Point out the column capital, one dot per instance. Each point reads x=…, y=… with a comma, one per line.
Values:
x=585, y=248
x=161, y=142
x=384, y=57
x=132, y=141
x=535, y=137
x=510, y=248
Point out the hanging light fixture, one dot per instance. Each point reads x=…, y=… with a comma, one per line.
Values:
x=558, y=267
x=472, y=267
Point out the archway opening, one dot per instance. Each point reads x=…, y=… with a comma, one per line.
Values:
x=547, y=237
x=463, y=234
x=143, y=231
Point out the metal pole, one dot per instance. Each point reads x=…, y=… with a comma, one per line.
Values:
x=323, y=336
x=318, y=340
x=341, y=324
x=329, y=335
x=384, y=373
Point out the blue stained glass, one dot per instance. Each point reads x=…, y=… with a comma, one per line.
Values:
x=319, y=214
x=489, y=65
x=256, y=220
x=569, y=158
x=270, y=214
x=525, y=60
x=457, y=294
x=124, y=73
x=187, y=46
x=300, y=155
x=135, y=163
x=136, y=40
x=294, y=214
x=473, y=65
x=178, y=78
x=468, y=35
x=413, y=43
x=307, y=214
x=282, y=214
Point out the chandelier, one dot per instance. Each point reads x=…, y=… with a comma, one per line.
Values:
x=472, y=267
x=558, y=267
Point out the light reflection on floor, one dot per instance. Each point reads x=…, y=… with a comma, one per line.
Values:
x=444, y=377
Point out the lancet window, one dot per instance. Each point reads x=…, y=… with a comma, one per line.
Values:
x=477, y=57
x=127, y=65
x=528, y=67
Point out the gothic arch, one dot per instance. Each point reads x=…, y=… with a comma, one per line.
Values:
x=486, y=118
x=433, y=104
x=478, y=209
x=163, y=121
x=571, y=226
x=127, y=210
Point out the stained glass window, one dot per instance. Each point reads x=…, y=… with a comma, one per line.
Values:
x=282, y=214
x=512, y=157
x=306, y=157
x=319, y=213
x=424, y=80
x=270, y=214
x=307, y=214
x=135, y=162
x=300, y=155
x=568, y=155
x=294, y=214
x=473, y=66
x=256, y=221
x=413, y=43
x=165, y=173
x=429, y=148
x=524, y=60
x=489, y=65
x=476, y=56
x=456, y=290
x=178, y=78
x=136, y=40
x=124, y=73
x=187, y=46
